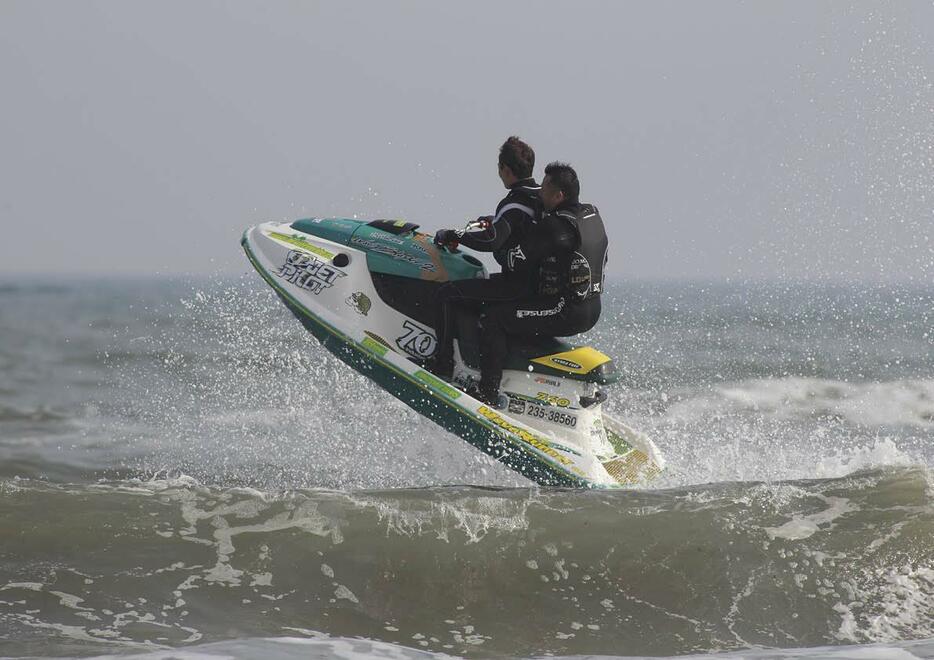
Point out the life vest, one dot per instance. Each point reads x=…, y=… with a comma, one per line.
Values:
x=578, y=272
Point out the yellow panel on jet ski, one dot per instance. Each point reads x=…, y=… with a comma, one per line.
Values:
x=581, y=360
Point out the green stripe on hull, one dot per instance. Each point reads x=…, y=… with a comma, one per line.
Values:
x=413, y=393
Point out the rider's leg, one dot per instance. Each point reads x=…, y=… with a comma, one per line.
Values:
x=552, y=316
x=462, y=293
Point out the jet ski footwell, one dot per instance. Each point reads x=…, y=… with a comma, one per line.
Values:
x=541, y=457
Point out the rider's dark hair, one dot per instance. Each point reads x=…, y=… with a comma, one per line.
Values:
x=563, y=177
x=518, y=157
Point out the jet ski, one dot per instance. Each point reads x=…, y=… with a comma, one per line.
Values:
x=366, y=291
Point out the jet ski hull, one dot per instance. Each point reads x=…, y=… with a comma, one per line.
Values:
x=331, y=308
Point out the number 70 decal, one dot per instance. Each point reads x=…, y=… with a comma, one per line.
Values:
x=417, y=340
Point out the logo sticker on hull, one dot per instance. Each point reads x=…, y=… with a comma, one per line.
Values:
x=566, y=363
x=360, y=302
x=308, y=272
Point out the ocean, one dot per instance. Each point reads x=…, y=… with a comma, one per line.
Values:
x=185, y=473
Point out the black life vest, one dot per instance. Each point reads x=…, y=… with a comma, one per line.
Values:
x=577, y=272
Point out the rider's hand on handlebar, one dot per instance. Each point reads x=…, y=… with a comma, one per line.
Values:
x=445, y=237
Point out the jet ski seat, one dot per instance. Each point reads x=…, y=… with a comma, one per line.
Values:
x=541, y=355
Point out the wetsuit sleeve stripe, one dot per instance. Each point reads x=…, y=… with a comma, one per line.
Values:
x=521, y=207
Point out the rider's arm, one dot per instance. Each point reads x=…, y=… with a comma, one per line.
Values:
x=490, y=239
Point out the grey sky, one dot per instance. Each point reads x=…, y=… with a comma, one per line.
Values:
x=719, y=139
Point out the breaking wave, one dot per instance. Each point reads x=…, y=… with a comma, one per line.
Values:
x=688, y=570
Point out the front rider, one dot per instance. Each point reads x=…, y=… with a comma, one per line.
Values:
x=566, y=254
x=499, y=234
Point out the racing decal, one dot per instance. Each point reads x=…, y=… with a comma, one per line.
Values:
x=308, y=272
x=554, y=311
x=417, y=341
x=393, y=252
x=438, y=384
x=566, y=363
x=360, y=302
x=529, y=438
x=542, y=399
x=516, y=405
x=552, y=400
x=374, y=346
x=300, y=242
x=390, y=238
x=566, y=450
x=375, y=337
x=542, y=380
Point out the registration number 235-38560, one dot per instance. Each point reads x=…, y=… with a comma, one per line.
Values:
x=555, y=416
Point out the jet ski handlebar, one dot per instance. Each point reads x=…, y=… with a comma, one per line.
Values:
x=450, y=238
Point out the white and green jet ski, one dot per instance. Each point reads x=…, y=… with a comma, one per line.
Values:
x=366, y=291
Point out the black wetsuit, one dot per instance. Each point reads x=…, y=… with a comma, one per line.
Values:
x=515, y=216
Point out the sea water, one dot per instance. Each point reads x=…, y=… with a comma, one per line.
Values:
x=185, y=472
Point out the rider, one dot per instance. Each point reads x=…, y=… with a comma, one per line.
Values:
x=566, y=253
x=499, y=234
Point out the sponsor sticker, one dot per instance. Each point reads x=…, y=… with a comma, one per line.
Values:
x=570, y=364
x=394, y=252
x=374, y=346
x=306, y=271
x=300, y=242
x=391, y=239
x=566, y=450
x=554, y=311
x=543, y=380
x=438, y=384
x=360, y=302
x=525, y=436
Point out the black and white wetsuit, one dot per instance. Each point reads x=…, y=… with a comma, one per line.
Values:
x=516, y=216
x=516, y=212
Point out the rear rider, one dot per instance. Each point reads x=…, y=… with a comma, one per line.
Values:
x=566, y=254
x=500, y=234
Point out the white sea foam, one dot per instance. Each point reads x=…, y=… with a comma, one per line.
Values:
x=474, y=516
x=802, y=527
x=872, y=404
